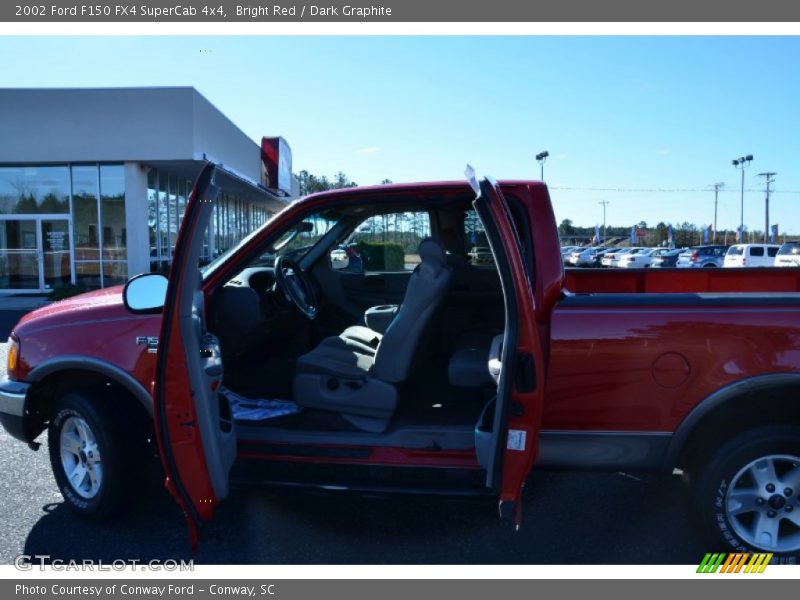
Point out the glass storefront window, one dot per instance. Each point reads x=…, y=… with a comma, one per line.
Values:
x=163, y=216
x=84, y=212
x=173, y=213
x=34, y=189
x=112, y=203
x=152, y=213
x=112, y=208
x=88, y=274
x=19, y=267
x=115, y=273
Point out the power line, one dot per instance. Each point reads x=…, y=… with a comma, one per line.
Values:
x=660, y=190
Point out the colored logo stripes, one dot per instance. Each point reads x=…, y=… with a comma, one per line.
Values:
x=735, y=563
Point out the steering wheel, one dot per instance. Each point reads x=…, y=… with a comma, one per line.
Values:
x=296, y=286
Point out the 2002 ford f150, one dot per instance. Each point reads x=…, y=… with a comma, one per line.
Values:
x=443, y=375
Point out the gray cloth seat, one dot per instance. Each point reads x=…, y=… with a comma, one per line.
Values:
x=355, y=373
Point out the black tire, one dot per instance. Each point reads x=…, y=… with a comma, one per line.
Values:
x=710, y=483
x=123, y=454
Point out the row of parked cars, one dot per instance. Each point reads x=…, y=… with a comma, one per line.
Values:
x=710, y=256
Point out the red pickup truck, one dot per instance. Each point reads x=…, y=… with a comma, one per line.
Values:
x=290, y=361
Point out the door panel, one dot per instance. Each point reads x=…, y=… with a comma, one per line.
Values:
x=194, y=428
x=515, y=430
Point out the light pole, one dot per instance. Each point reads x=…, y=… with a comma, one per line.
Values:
x=717, y=187
x=769, y=180
x=742, y=163
x=604, y=203
x=541, y=157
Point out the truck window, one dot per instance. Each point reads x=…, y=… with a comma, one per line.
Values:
x=475, y=242
x=757, y=251
x=384, y=243
x=772, y=252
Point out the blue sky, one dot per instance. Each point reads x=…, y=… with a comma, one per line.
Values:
x=615, y=113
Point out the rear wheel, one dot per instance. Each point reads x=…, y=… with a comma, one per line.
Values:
x=98, y=463
x=747, y=495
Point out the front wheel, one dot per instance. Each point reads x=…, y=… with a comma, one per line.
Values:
x=747, y=495
x=95, y=459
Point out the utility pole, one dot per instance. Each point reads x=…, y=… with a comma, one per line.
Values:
x=717, y=187
x=741, y=163
x=604, y=203
x=769, y=179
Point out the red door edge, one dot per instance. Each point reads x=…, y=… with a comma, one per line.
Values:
x=520, y=437
x=174, y=413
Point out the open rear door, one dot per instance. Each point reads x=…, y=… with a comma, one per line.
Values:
x=194, y=428
x=517, y=416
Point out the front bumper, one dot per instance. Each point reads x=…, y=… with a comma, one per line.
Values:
x=13, y=397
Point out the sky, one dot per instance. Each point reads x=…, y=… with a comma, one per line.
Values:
x=620, y=116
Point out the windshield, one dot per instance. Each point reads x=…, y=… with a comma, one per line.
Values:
x=735, y=250
x=790, y=248
x=295, y=242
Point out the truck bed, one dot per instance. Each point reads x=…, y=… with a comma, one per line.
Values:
x=644, y=281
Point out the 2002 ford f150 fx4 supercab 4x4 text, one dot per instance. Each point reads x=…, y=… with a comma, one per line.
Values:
x=441, y=375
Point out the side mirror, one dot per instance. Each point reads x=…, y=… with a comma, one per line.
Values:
x=145, y=293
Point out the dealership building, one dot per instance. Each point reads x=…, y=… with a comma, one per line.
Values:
x=94, y=182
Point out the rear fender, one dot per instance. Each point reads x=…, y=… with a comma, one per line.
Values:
x=718, y=400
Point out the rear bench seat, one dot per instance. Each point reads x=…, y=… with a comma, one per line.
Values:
x=469, y=364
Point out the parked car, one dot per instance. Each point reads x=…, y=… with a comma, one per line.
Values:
x=638, y=258
x=788, y=255
x=480, y=255
x=751, y=255
x=702, y=257
x=566, y=252
x=532, y=375
x=586, y=257
x=666, y=259
x=611, y=259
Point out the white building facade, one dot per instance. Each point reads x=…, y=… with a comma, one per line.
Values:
x=94, y=182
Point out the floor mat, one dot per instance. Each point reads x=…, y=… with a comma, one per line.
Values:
x=258, y=409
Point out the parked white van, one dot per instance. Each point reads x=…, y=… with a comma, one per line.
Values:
x=751, y=255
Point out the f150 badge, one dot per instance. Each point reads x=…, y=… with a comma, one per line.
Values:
x=150, y=341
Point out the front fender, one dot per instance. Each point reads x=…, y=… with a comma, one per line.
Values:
x=96, y=365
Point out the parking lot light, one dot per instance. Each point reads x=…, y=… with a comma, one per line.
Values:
x=541, y=157
x=742, y=163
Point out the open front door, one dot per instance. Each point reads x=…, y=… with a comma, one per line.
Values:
x=515, y=429
x=194, y=427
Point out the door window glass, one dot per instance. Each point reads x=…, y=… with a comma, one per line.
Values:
x=19, y=269
x=476, y=243
x=55, y=253
x=384, y=243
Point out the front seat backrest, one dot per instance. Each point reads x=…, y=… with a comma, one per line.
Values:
x=426, y=290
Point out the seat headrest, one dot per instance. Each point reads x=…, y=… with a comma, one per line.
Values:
x=431, y=252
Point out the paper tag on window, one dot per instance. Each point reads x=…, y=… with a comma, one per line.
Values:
x=516, y=439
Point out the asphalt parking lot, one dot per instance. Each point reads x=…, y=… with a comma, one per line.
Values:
x=569, y=517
